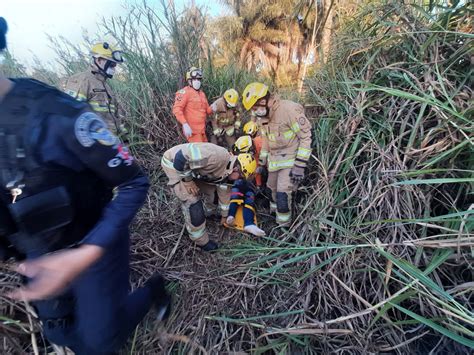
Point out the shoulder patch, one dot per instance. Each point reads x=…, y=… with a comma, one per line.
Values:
x=302, y=120
x=182, y=91
x=90, y=128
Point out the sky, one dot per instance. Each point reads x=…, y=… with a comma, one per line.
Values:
x=30, y=20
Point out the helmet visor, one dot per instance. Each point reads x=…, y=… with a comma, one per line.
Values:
x=117, y=56
x=196, y=74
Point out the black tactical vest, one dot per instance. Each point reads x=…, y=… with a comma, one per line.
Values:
x=57, y=206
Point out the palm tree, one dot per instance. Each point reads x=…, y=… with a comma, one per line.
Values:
x=260, y=35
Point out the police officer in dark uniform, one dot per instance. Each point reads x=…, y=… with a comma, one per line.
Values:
x=68, y=192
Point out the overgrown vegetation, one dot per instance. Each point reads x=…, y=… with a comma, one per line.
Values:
x=379, y=257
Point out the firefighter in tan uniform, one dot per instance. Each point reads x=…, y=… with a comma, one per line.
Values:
x=286, y=146
x=226, y=121
x=91, y=85
x=202, y=168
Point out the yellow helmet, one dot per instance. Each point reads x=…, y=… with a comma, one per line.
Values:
x=250, y=128
x=242, y=145
x=252, y=93
x=194, y=73
x=248, y=164
x=231, y=96
x=106, y=51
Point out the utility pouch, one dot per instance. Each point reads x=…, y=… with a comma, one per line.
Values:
x=43, y=212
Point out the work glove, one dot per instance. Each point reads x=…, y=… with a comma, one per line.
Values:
x=296, y=174
x=191, y=187
x=187, y=131
x=230, y=221
x=218, y=132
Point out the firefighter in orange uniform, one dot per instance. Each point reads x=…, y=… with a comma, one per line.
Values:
x=191, y=107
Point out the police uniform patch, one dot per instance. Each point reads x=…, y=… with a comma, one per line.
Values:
x=123, y=157
x=90, y=128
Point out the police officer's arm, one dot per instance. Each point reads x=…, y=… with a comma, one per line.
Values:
x=85, y=144
x=180, y=101
x=302, y=128
x=89, y=143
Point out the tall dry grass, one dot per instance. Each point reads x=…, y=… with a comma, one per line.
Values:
x=379, y=256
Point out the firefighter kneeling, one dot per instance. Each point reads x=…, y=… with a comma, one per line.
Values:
x=202, y=168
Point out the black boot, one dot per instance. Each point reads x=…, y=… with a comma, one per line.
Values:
x=161, y=298
x=210, y=246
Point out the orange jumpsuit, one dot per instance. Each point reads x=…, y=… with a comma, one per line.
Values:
x=257, y=143
x=191, y=107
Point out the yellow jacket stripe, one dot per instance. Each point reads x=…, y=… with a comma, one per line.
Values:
x=77, y=95
x=280, y=164
x=303, y=153
x=195, y=152
x=169, y=164
x=283, y=217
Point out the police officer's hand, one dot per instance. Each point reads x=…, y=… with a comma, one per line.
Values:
x=51, y=274
x=296, y=174
x=191, y=187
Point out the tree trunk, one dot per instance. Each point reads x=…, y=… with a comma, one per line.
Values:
x=327, y=30
x=309, y=50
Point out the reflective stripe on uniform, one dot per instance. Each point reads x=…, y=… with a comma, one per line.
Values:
x=77, y=95
x=195, y=152
x=167, y=163
x=223, y=207
x=295, y=127
x=282, y=164
x=303, y=153
x=263, y=154
x=196, y=233
x=283, y=217
x=97, y=106
x=289, y=134
x=230, y=131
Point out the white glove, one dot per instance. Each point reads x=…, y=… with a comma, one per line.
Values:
x=188, y=132
x=230, y=221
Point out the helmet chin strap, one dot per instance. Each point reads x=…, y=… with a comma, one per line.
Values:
x=103, y=71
